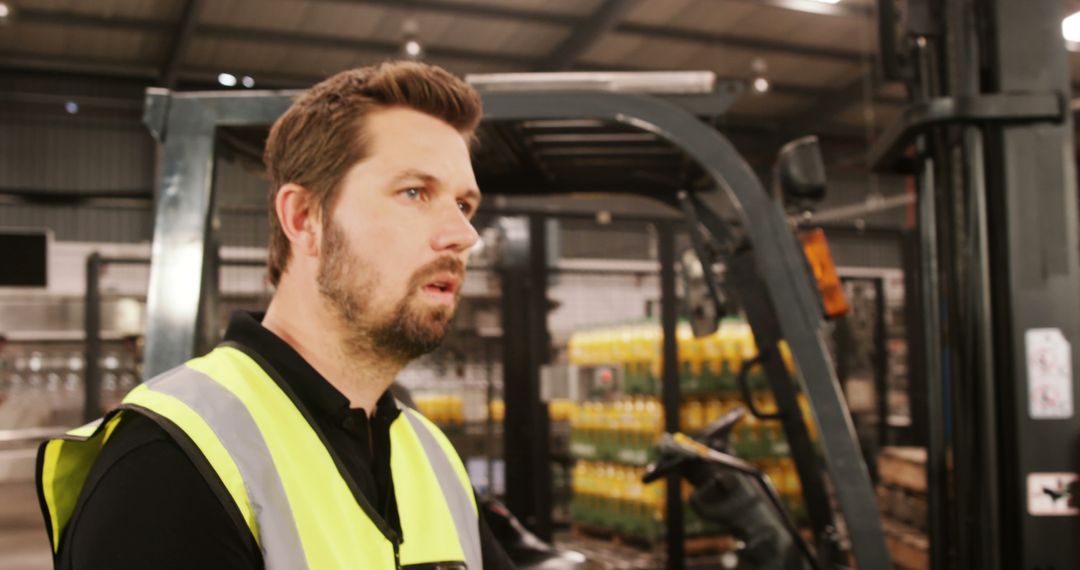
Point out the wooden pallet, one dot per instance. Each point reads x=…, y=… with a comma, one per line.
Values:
x=908, y=547
x=903, y=467
x=903, y=506
x=692, y=546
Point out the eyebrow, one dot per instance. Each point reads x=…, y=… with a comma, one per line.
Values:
x=413, y=173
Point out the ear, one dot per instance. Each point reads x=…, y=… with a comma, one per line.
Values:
x=298, y=214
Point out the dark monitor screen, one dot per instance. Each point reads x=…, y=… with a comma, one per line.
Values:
x=23, y=258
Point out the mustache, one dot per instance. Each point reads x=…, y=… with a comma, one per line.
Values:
x=451, y=265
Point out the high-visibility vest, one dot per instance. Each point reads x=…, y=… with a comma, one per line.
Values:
x=285, y=480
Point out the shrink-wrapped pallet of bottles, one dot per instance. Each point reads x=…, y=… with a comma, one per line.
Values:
x=617, y=437
x=611, y=496
x=707, y=365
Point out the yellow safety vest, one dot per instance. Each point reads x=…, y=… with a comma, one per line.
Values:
x=286, y=482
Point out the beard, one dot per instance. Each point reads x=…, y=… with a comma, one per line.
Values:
x=411, y=328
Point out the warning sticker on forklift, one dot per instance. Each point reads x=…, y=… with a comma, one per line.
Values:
x=1049, y=364
x=1053, y=494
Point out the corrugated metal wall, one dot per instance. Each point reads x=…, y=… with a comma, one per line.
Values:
x=241, y=204
x=82, y=223
x=71, y=155
x=47, y=155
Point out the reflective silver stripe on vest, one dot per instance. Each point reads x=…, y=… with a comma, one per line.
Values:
x=457, y=497
x=231, y=422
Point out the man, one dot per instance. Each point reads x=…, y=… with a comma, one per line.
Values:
x=283, y=448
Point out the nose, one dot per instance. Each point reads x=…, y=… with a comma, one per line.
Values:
x=454, y=232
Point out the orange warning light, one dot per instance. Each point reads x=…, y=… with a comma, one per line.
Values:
x=817, y=253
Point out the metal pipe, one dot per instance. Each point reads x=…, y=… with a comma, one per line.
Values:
x=936, y=450
x=982, y=339
x=539, y=349
x=92, y=354
x=936, y=474
x=881, y=371
x=670, y=392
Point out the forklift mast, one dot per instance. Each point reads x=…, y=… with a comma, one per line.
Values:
x=988, y=140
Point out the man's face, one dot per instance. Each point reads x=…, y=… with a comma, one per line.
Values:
x=394, y=248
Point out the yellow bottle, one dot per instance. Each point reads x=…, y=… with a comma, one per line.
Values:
x=654, y=352
x=639, y=426
x=573, y=349
x=731, y=351
x=712, y=356
x=617, y=424
x=695, y=417
x=654, y=417
x=714, y=408
x=684, y=337
x=497, y=409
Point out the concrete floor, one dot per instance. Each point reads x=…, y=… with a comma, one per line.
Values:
x=23, y=542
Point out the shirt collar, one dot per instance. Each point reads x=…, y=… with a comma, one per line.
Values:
x=314, y=391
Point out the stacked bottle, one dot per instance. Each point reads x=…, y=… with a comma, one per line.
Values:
x=624, y=431
x=706, y=365
x=611, y=496
x=446, y=410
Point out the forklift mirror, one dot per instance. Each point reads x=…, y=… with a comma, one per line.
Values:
x=799, y=174
x=700, y=306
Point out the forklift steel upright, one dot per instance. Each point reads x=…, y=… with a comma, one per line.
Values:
x=995, y=165
x=186, y=124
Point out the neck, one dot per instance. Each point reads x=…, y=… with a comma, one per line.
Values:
x=318, y=336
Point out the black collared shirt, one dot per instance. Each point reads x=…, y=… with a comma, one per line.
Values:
x=147, y=505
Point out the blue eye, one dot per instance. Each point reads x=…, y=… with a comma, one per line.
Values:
x=412, y=193
x=464, y=206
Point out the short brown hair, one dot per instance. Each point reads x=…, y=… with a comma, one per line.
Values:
x=320, y=137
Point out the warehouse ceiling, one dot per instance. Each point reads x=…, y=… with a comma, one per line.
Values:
x=818, y=58
x=816, y=63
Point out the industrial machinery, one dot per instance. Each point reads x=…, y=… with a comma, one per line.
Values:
x=988, y=140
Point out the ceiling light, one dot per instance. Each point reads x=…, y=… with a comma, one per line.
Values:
x=5, y=11
x=247, y=81
x=410, y=43
x=829, y=1
x=71, y=107
x=1070, y=28
x=760, y=85
x=226, y=79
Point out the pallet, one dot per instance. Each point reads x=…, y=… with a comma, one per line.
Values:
x=692, y=546
x=903, y=467
x=908, y=548
x=903, y=506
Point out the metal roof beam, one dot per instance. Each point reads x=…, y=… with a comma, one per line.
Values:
x=723, y=40
x=587, y=33
x=52, y=17
x=844, y=9
x=66, y=65
x=714, y=39
x=185, y=29
x=758, y=45
x=471, y=10
x=232, y=33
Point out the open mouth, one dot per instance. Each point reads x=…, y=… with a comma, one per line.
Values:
x=444, y=287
